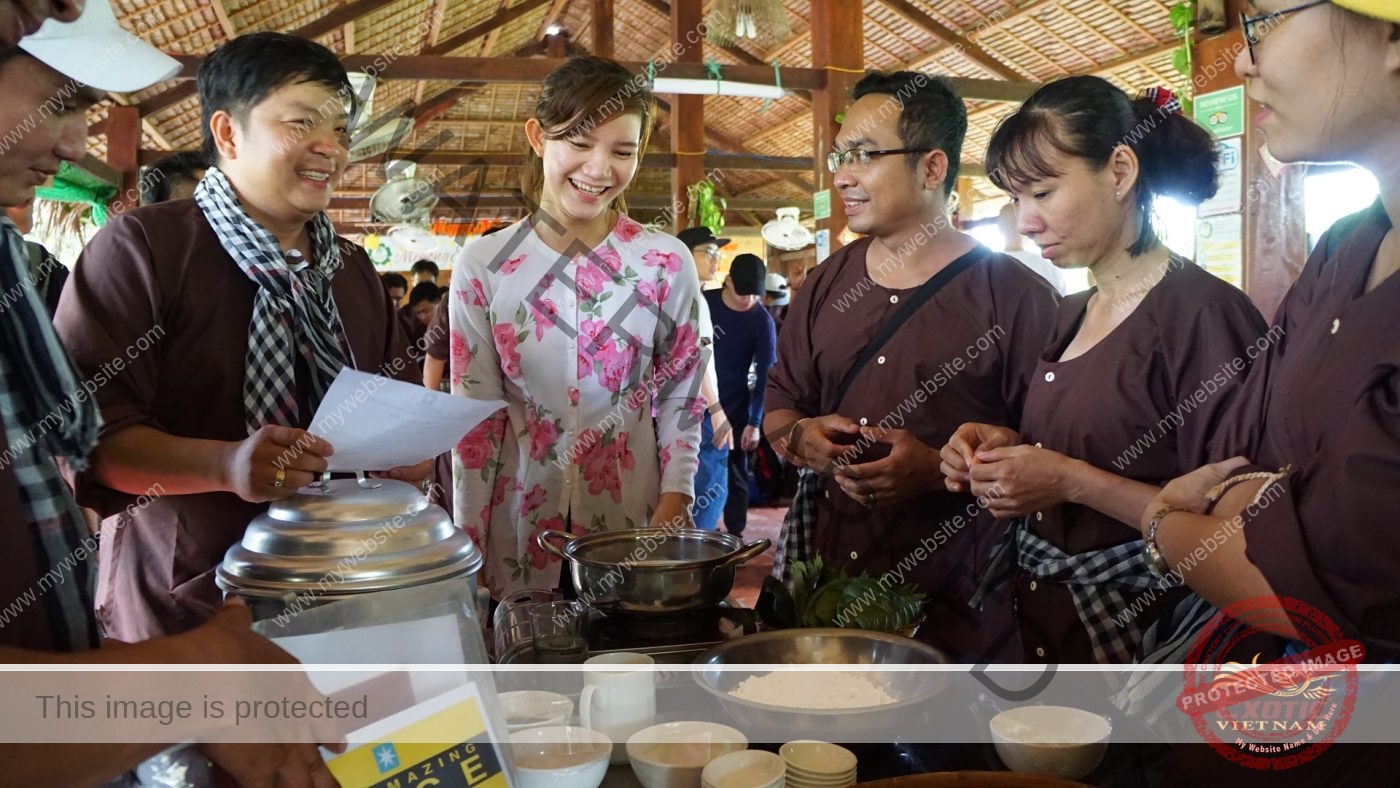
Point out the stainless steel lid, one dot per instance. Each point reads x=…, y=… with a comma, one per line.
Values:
x=347, y=537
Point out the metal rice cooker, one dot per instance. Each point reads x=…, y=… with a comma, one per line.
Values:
x=342, y=539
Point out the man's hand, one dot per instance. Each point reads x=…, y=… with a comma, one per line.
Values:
x=960, y=453
x=672, y=511
x=750, y=441
x=413, y=474
x=723, y=439
x=271, y=765
x=809, y=444
x=1019, y=480
x=254, y=466
x=907, y=473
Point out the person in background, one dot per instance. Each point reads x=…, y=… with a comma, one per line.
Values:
x=776, y=296
x=716, y=433
x=1312, y=519
x=1125, y=393
x=424, y=271
x=1006, y=222
x=45, y=270
x=228, y=310
x=745, y=341
x=43, y=541
x=872, y=481
x=423, y=302
x=584, y=322
x=173, y=178
x=396, y=286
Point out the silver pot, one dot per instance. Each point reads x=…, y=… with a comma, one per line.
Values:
x=652, y=571
x=346, y=538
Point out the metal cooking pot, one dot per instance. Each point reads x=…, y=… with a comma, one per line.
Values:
x=652, y=571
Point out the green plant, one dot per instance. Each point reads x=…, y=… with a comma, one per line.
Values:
x=706, y=209
x=1183, y=19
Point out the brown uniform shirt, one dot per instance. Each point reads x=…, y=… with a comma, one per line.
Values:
x=1141, y=404
x=158, y=313
x=967, y=355
x=1326, y=400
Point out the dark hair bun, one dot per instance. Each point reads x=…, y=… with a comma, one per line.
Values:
x=1178, y=158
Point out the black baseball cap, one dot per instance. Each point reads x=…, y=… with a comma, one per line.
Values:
x=748, y=274
x=698, y=236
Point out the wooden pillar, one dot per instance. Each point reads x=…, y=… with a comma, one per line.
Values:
x=687, y=114
x=603, y=28
x=838, y=46
x=966, y=198
x=123, y=153
x=1274, y=233
x=556, y=45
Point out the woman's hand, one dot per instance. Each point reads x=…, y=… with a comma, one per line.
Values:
x=1019, y=480
x=960, y=453
x=1189, y=492
x=672, y=511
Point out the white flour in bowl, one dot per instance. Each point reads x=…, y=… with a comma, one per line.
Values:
x=797, y=689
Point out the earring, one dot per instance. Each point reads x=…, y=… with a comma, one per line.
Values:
x=1118, y=195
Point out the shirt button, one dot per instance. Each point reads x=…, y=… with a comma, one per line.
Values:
x=1039, y=516
x=854, y=556
x=1040, y=652
x=1336, y=324
x=894, y=299
x=863, y=421
x=880, y=360
x=1049, y=377
x=1032, y=585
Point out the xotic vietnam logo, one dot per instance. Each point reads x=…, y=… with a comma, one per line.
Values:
x=1279, y=714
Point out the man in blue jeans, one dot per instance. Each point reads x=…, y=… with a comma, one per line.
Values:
x=745, y=340
x=716, y=435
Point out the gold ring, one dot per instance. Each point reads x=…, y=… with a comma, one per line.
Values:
x=280, y=478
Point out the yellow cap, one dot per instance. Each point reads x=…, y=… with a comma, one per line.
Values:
x=1380, y=9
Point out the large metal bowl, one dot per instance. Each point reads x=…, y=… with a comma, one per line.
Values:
x=911, y=688
x=652, y=571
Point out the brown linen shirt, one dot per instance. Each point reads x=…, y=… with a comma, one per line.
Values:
x=1326, y=400
x=158, y=313
x=967, y=355
x=1141, y=404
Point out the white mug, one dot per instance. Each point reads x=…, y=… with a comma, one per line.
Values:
x=619, y=697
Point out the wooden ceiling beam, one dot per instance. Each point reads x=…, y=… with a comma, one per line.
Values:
x=713, y=160
x=500, y=19
x=221, y=14
x=337, y=18
x=968, y=48
x=485, y=70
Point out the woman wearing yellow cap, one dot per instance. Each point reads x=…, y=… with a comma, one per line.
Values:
x=1313, y=517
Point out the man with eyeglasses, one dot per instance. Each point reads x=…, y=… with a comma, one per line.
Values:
x=872, y=429
x=716, y=433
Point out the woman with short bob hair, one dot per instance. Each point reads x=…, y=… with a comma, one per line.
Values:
x=584, y=323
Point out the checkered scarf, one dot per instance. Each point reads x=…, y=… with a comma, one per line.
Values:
x=1102, y=583
x=797, y=540
x=34, y=353
x=294, y=311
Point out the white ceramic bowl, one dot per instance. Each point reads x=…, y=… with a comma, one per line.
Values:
x=560, y=756
x=818, y=759
x=744, y=769
x=1054, y=740
x=533, y=709
x=673, y=754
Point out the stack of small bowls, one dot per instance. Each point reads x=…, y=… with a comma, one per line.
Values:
x=818, y=764
x=745, y=769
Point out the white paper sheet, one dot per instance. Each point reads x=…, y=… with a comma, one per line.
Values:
x=375, y=423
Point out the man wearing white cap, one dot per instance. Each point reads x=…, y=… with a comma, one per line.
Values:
x=49, y=81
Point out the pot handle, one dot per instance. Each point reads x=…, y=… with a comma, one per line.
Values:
x=749, y=552
x=543, y=537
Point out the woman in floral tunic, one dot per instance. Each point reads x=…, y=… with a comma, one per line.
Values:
x=584, y=322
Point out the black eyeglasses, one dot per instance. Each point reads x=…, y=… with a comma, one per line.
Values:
x=1252, y=37
x=860, y=157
